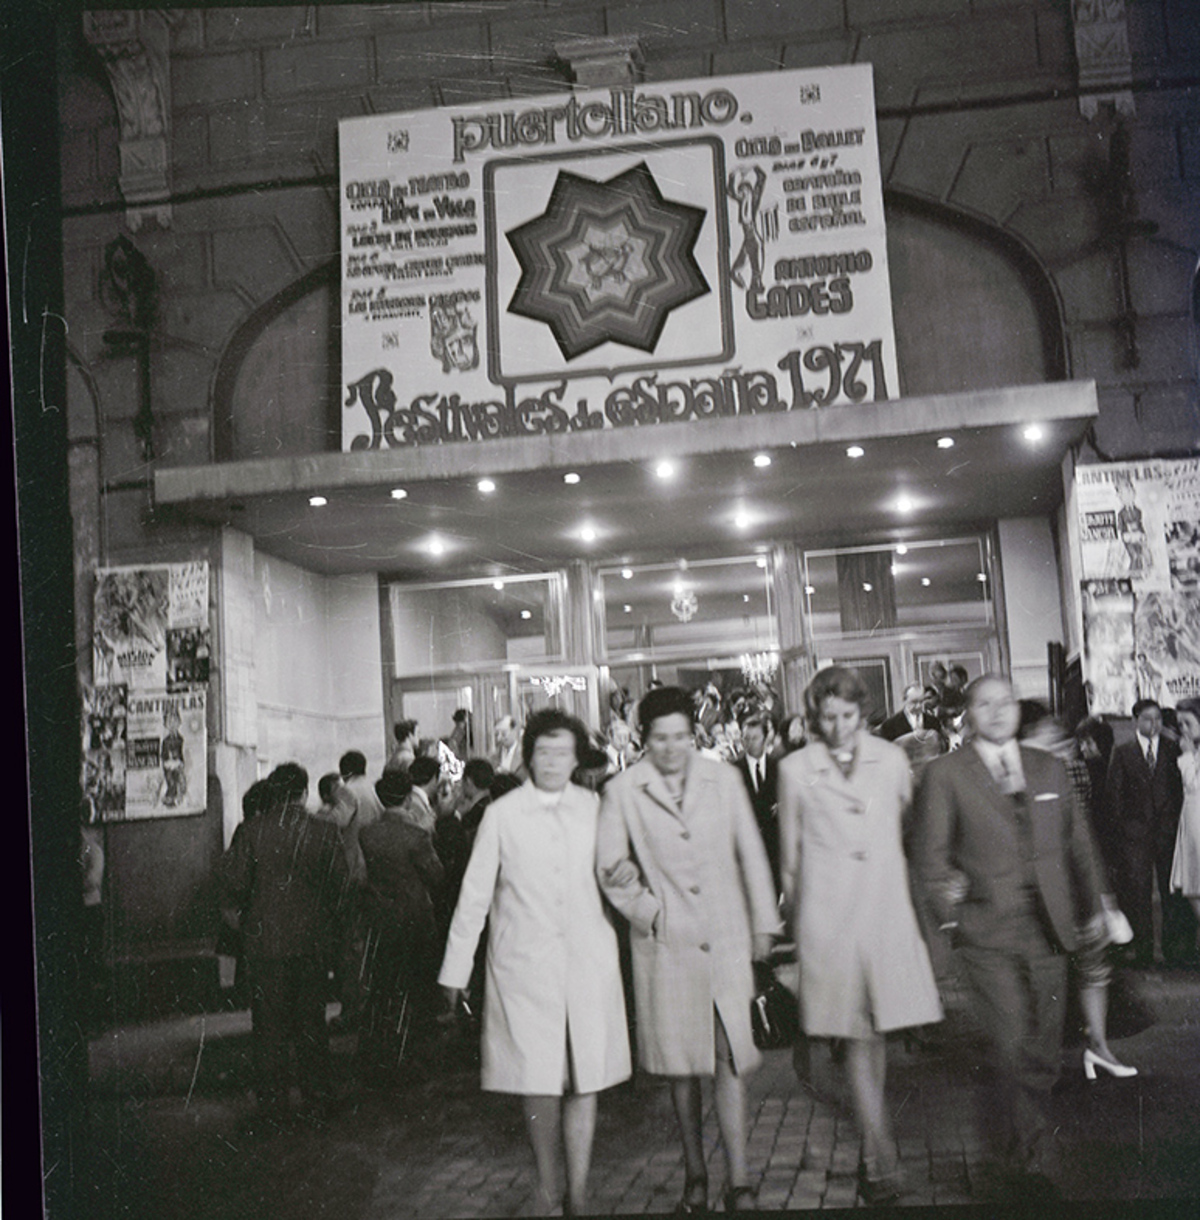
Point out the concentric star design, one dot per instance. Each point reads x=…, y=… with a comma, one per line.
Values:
x=607, y=261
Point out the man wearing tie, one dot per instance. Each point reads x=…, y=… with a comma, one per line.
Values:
x=760, y=774
x=1006, y=860
x=1142, y=799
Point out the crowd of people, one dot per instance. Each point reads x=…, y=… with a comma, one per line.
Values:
x=679, y=850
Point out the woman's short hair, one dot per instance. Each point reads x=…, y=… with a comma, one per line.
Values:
x=664, y=701
x=327, y=787
x=1097, y=731
x=836, y=681
x=404, y=729
x=1190, y=704
x=552, y=720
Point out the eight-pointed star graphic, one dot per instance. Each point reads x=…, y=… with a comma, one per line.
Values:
x=607, y=261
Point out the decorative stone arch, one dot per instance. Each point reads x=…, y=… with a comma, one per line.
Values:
x=985, y=312
x=277, y=389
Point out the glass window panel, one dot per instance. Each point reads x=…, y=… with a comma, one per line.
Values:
x=705, y=606
x=476, y=624
x=888, y=589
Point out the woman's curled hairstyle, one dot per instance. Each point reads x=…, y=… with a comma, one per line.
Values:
x=551, y=720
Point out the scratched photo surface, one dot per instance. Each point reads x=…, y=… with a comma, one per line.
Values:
x=390, y=379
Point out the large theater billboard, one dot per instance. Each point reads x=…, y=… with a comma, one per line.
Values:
x=635, y=255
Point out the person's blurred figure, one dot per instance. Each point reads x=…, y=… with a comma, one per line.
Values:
x=403, y=874
x=760, y=773
x=401, y=758
x=286, y=872
x=507, y=757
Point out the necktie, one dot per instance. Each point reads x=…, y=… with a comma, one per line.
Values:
x=754, y=773
x=1009, y=784
x=1150, y=756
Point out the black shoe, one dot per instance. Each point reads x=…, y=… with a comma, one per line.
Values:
x=740, y=1199
x=881, y=1190
x=695, y=1198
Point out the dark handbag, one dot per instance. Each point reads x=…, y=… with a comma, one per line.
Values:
x=774, y=1016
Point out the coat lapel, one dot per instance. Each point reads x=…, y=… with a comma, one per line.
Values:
x=982, y=779
x=651, y=782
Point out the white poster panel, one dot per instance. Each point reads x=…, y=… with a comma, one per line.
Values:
x=141, y=616
x=166, y=759
x=1127, y=513
x=610, y=258
x=1167, y=635
x=1109, y=671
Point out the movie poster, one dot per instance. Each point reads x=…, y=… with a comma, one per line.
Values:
x=614, y=257
x=104, y=714
x=1108, y=633
x=166, y=762
x=1167, y=636
x=1140, y=521
x=140, y=615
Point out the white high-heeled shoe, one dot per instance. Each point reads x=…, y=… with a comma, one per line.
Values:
x=1092, y=1061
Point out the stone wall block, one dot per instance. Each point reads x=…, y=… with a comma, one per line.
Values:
x=185, y=28
x=107, y=185
x=201, y=80
x=253, y=258
x=81, y=277
x=1079, y=161
x=122, y=459
x=77, y=150
x=1182, y=33
x=180, y=380
x=998, y=174
x=457, y=52
x=762, y=57
x=190, y=149
x=865, y=13
x=928, y=153
x=537, y=80
x=1150, y=420
x=206, y=318
x=1059, y=229
x=303, y=135
x=1056, y=40
x=764, y=18
x=182, y=441
x=518, y=44
x=1148, y=35
x=677, y=67
x=465, y=91
x=401, y=98
x=671, y=23
x=1161, y=277
x=305, y=67
x=1003, y=47
x=239, y=26
x=179, y=260
x=344, y=19
x=1089, y=287
x=85, y=104
x=1165, y=347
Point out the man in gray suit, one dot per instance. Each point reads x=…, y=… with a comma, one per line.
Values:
x=1006, y=859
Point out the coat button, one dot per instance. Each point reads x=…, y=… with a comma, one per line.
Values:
x=695, y=889
x=858, y=855
x=704, y=947
x=685, y=834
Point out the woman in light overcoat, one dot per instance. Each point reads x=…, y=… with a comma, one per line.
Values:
x=864, y=967
x=554, y=1027
x=679, y=854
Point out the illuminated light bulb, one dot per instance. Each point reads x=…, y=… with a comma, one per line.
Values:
x=925, y=582
x=487, y=486
x=1033, y=433
x=855, y=451
x=398, y=493
x=588, y=534
x=945, y=442
x=626, y=573
x=317, y=501
x=762, y=460
x=664, y=469
x=570, y=477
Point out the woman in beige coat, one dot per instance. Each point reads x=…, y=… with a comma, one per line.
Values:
x=679, y=854
x=864, y=968
x=554, y=1026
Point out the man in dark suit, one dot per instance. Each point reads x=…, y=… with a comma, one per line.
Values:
x=760, y=774
x=1006, y=860
x=911, y=716
x=1142, y=799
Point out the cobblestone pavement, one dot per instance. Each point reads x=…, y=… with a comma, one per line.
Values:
x=173, y=1137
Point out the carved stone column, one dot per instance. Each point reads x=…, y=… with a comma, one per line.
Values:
x=1102, y=49
x=133, y=46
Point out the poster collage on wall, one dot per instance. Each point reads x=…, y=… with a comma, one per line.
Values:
x=1139, y=528
x=145, y=742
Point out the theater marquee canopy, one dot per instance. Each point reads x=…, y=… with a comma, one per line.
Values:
x=612, y=258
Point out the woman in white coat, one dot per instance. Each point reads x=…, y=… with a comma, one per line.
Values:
x=554, y=1026
x=680, y=856
x=864, y=967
